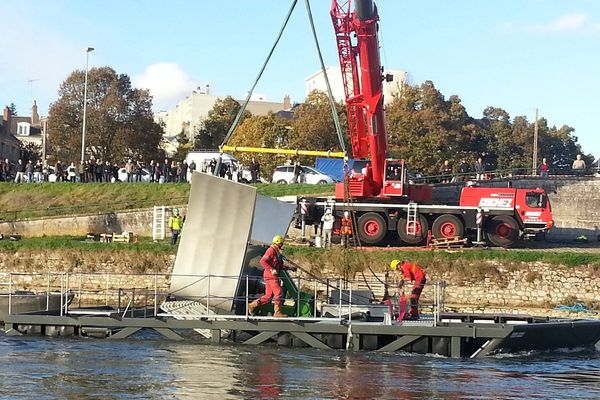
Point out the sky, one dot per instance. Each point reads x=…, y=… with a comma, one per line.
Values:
x=518, y=55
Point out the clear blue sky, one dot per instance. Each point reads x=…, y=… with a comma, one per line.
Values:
x=513, y=54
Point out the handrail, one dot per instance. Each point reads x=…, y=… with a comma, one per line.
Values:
x=148, y=291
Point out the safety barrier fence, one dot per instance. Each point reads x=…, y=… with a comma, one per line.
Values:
x=140, y=295
x=515, y=173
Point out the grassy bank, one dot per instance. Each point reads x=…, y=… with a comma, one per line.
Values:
x=337, y=259
x=21, y=201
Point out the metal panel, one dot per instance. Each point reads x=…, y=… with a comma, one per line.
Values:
x=213, y=240
x=271, y=217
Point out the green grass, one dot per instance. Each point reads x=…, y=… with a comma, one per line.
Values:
x=379, y=259
x=30, y=201
x=145, y=245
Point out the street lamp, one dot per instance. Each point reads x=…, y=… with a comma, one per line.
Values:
x=87, y=62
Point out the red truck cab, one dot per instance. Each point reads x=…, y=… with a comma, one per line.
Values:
x=509, y=211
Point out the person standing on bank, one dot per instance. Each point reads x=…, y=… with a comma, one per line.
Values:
x=327, y=219
x=346, y=229
x=175, y=224
x=405, y=270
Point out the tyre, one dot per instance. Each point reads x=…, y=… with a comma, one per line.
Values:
x=420, y=231
x=502, y=231
x=282, y=182
x=371, y=228
x=447, y=226
x=322, y=182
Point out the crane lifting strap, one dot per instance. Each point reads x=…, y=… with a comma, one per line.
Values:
x=335, y=116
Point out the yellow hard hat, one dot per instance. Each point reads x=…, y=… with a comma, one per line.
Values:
x=394, y=264
x=278, y=240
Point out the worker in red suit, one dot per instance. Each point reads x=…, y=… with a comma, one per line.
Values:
x=272, y=262
x=412, y=272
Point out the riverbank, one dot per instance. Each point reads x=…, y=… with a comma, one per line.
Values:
x=477, y=280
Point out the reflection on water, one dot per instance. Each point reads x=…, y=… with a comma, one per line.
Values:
x=148, y=368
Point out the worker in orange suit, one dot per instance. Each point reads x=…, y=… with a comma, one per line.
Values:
x=272, y=262
x=346, y=229
x=412, y=272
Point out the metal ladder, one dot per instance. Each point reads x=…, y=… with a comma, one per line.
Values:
x=411, y=219
x=158, y=223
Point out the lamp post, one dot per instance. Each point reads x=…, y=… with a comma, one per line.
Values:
x=87, y=62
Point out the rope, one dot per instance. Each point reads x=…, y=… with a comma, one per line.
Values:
x=334, y=114
x=242, y=109
x=577, y=307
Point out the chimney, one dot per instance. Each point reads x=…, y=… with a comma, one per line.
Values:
x=287, y=104
x=207, y=89
x=35, y=117
x=5, y=121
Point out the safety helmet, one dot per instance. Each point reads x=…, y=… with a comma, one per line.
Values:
x=394, y=264
x=278, y=240
x=176, y=210
x=346, y=214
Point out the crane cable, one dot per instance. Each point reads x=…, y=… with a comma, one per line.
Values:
x=242, y=109
x=334, y=114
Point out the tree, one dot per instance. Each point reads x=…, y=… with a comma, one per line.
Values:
x=120, y=122
x=425, y=129
x=313, y=127
x=183, y=146
x=268, y=131
x=214, y=128
x=30, y=151
x=12, y=110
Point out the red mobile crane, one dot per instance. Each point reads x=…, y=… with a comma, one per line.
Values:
x=380, y=195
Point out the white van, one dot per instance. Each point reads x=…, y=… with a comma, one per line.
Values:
x=203, y=161
x=204, y=158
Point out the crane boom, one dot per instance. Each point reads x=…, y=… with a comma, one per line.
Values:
x=363, y=88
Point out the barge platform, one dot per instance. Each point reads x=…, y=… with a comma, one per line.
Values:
x=343, y=320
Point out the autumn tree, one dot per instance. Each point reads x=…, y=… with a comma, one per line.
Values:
x=215, y=126
x=268, y=131
x=119, y=123
x=183, y=146
x=313, y=127
x=425, y=129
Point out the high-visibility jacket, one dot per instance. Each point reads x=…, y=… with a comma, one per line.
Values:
x=272, y=260
x=175, y=222
x=346, y=226
x=412, y=272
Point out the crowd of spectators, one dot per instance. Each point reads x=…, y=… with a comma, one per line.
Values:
x=480, y=171
x=96, y=170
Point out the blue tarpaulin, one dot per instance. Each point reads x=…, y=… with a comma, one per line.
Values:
x=334, y=167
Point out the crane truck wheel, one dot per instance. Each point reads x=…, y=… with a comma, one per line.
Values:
x=447, y=226
x=420, y=234
x=502, y=230
x=371, y=228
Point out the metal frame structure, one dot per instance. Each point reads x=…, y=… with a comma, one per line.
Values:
x=453, y=335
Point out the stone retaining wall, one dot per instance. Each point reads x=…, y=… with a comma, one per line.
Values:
x=516, y=288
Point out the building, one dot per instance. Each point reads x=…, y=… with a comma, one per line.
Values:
x=189, y=113
x=317, y=82
x=10, y=146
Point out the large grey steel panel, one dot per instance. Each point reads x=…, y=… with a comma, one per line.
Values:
x=271, y=217
x=213, y=240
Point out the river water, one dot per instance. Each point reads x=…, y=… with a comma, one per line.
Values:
x=151, y=368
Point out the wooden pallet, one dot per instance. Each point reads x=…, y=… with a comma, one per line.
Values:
x=449, y=243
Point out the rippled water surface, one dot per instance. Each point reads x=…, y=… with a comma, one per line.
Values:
x=37, y=367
